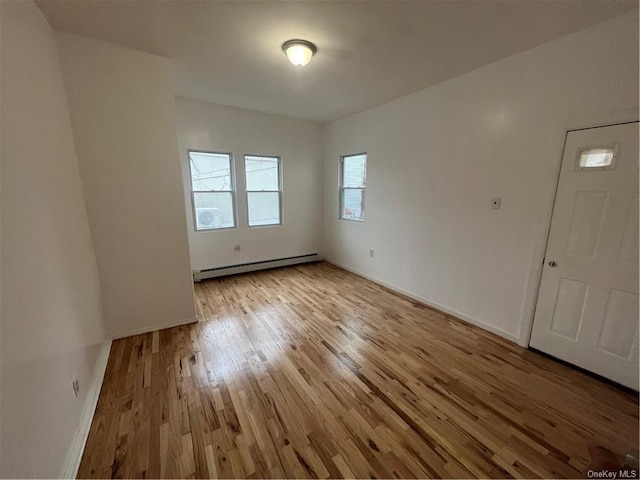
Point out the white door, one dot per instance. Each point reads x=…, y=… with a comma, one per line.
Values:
x=587, y=311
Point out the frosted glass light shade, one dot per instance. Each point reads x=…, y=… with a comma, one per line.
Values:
x=299, y=52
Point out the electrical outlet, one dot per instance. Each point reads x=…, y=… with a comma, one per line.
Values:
x=76, y=386
x=236, y=248
x=371, y=253
x=495, y=203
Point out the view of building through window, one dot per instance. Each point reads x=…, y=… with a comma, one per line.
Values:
x=263, y=190
x=352, y=188
x=212, y=190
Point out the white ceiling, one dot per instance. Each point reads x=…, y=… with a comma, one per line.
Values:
x=369, y=52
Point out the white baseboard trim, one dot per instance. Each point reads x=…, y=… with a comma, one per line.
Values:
x=430, y=303
x=90, y=404
x=153, y=328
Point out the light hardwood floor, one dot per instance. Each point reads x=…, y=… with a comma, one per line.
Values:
x=311, y=371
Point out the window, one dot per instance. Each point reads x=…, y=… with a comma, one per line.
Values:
x=353, y=178
x=212, y=190
x=264, y=193
x=601, y=158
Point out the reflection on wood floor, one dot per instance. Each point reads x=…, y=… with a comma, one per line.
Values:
x=311, y=371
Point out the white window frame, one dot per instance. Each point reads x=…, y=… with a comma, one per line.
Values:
x=278, y=191
x=232, y=190
x=343, y=188
x=578, y=168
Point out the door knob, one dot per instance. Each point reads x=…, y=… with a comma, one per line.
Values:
x=552, y=263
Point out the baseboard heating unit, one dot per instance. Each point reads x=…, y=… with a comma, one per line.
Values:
x=199, y=275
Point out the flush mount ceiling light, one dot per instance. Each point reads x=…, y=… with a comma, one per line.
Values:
x=299, y=52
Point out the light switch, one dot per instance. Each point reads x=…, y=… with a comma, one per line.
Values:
x=495, y=203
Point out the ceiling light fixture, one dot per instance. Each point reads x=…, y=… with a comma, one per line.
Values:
x=299, y=52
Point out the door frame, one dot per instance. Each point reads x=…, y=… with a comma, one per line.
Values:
x=540, y=247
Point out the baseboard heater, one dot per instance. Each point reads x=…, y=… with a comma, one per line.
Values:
x=199, y=275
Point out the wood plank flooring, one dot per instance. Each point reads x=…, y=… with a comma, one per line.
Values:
x=313, y=372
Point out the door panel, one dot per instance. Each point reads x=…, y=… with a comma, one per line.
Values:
x=586, y=223
x=587, y=310
x=629, y=245
x=567, y=314
x=620, y=326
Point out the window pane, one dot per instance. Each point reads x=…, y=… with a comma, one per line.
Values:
x=596, y=158
x=264, y=208
x=354, y=171
x=213, y=210
x=353, y=204
x=210, y=171
x=262, y=173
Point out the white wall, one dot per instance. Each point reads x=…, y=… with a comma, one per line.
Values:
x=437, y=157
x=52, y=326
x=121, y=104
x=216, y=128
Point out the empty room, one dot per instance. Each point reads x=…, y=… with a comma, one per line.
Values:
x=319, y=239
